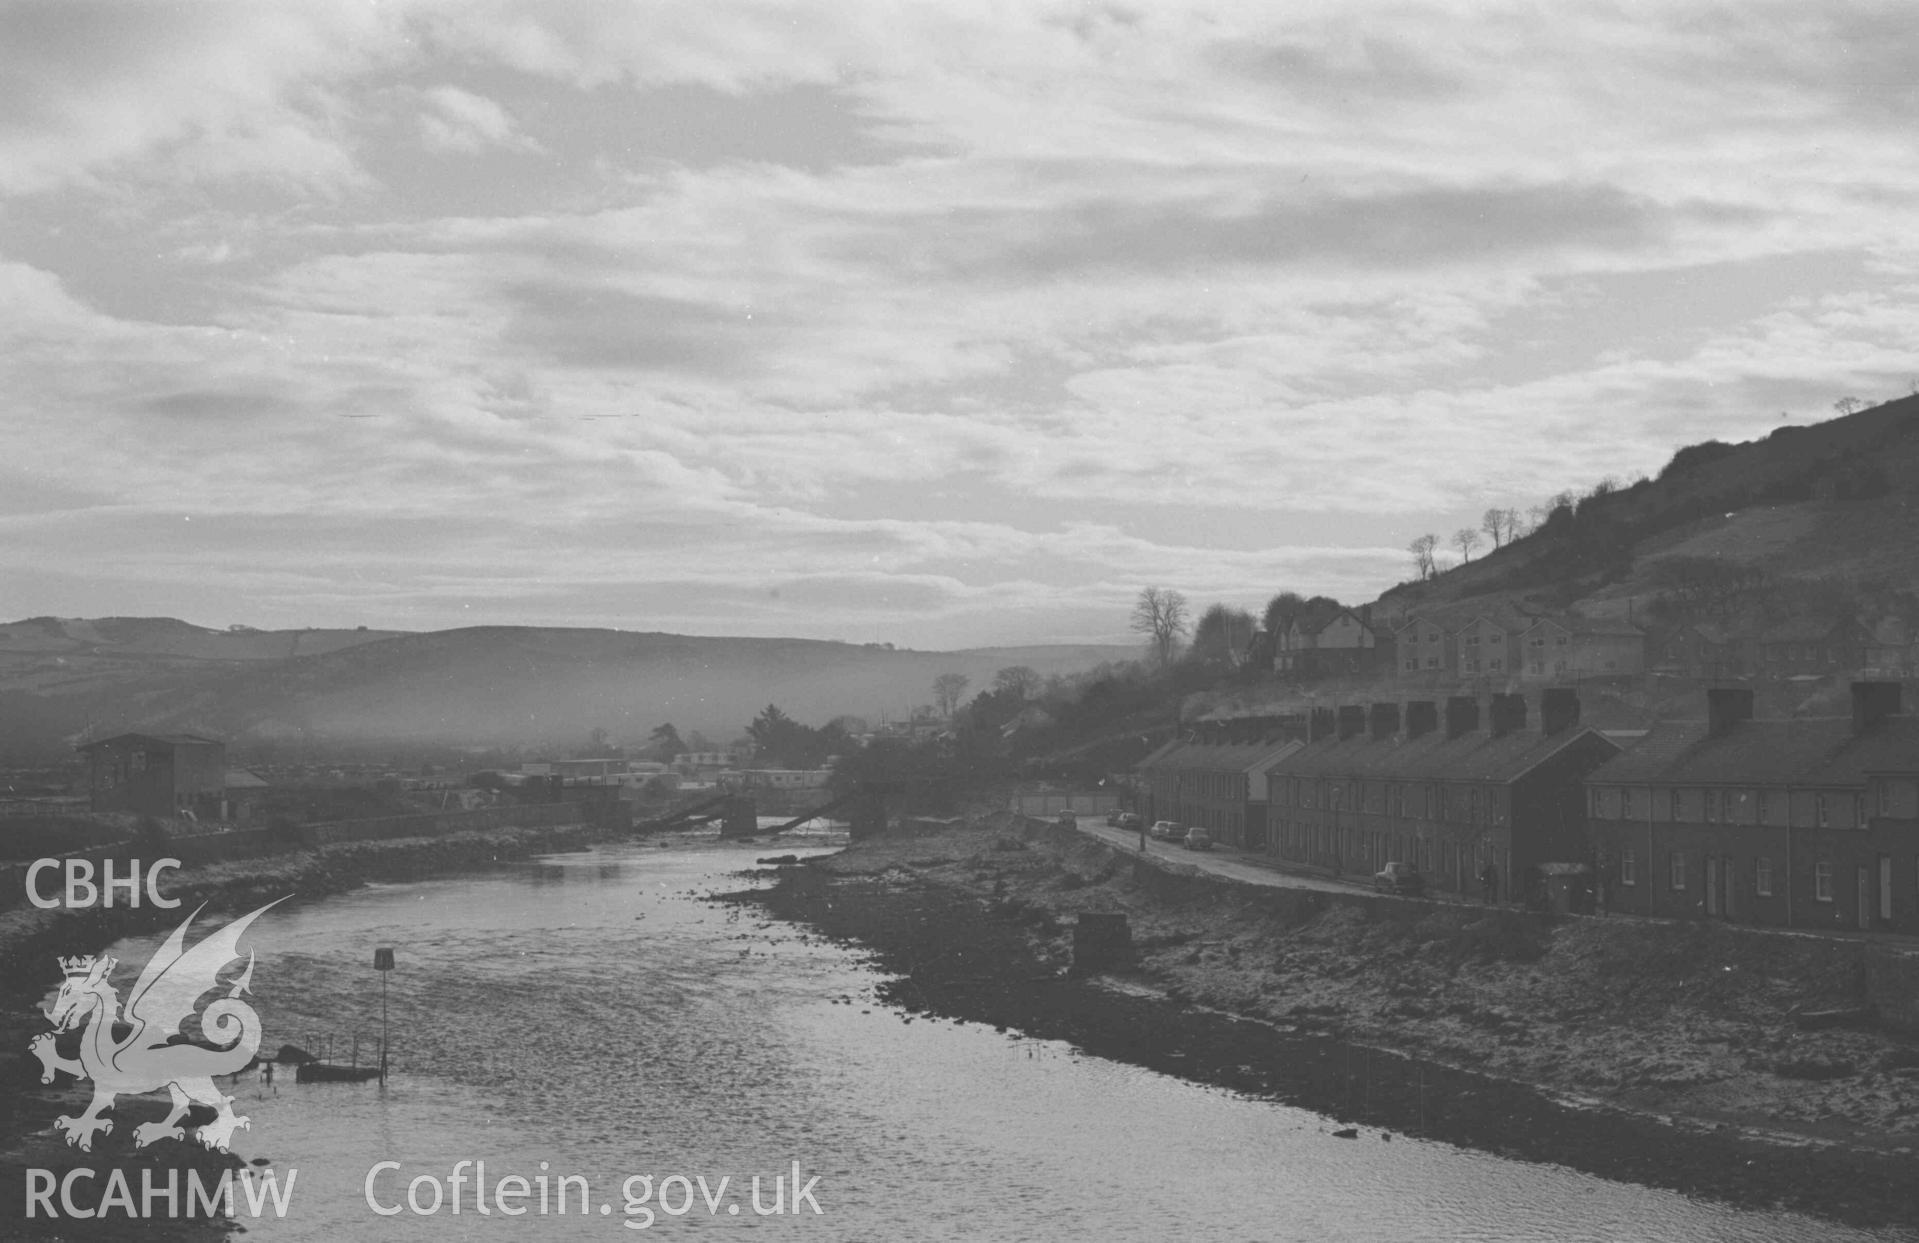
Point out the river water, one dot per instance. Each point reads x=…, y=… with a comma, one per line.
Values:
x=589, y=1015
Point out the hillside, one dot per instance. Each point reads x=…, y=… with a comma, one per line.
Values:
x=1836, y=501
x=468, y=687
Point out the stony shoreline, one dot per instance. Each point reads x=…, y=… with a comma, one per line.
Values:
x=1481, y=1030
x=31, y=938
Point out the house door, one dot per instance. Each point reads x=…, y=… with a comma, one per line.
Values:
x=1865, y=897
x=1712, y=885
x=1727, y=871
x=1885, y=887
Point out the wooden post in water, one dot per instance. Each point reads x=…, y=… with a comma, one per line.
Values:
x=383, y=963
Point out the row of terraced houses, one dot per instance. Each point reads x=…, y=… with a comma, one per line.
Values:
x=1807, y=823
x=1441, y=645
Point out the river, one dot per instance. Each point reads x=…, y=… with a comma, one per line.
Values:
x=591, y=1012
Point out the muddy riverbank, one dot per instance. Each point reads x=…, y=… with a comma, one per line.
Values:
x=1381, y=1029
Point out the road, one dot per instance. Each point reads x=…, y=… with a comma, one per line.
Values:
x=1225, y=860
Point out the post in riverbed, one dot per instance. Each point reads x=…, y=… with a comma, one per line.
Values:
x=383, y=963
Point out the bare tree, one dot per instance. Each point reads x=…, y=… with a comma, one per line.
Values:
x=1020, y=681
x=1465, y=539
x=1849, y=405
x=1422, y=550
x=947, y=689
x=1493, y=523
x=1160, y=614
x=1515, y=526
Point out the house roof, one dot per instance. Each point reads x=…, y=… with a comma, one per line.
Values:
x=1800, y=751
x=241, y=779
x=161, y=740
x=1476, y=756
x=1218, y=757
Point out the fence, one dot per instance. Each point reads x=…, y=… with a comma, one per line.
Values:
x=1044, y=803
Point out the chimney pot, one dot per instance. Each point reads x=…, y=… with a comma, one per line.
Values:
x=1558, y=709
x=1872, y=703
x=1726, y=706
x=1507, y=714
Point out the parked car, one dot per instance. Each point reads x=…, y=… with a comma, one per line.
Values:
x=1399, y=878
x=1130, y=820
x=1198, y=839
x=1112, y=818
x=1167, y=831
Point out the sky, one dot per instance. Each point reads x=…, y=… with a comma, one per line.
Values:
x=942, y=324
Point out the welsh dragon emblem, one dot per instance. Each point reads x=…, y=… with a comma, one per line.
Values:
x=152, y=1054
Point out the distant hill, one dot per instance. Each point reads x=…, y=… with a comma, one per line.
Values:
x=469, y=687
x=1836, y=501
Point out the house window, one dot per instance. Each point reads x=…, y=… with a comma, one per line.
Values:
x=1762, y=877
x=1473, y=805
x=1822, y=881
x=1678, y=870
x=1432, y=662
x=1672, y=804
x=1596, y=803
x=1628, y=872
x=1759, y=806
x=1560, y=641
x=1412, y=663
x=1858, y=811
x=1625, y=804
x=1712, y=806
x=1821, y=811
x=1432, y=802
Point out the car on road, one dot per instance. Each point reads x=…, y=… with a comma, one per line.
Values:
x=1112, y=818
x=1399, y=877
x=1130, y=821
x=1198, y=839
x=1167, y=831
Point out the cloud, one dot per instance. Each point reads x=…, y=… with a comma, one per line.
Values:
x=459, y=121
x=943, y=317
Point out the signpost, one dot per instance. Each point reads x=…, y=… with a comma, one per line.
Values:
x=383, y=963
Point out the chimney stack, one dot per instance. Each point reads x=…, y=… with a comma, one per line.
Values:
x=1558, y=709
x=1352, y=721
x=1384, y=722
x=1422, y=717
x=1319, y=724
x=1726, y=706
x=1872, y=703
x=1462, y=716
x=1507, y=714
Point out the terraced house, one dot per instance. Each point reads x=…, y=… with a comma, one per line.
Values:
x=1216, y=780
x=1450, y=794
x=1803, y=822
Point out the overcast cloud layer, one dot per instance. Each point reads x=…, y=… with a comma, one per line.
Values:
x=945, y=325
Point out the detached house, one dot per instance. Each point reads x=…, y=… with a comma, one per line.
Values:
x=1342, y=642
x=157, y=774
x=1580, y=648
x=1423, y=647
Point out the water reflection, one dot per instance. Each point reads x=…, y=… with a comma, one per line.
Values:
x=626, y=1027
